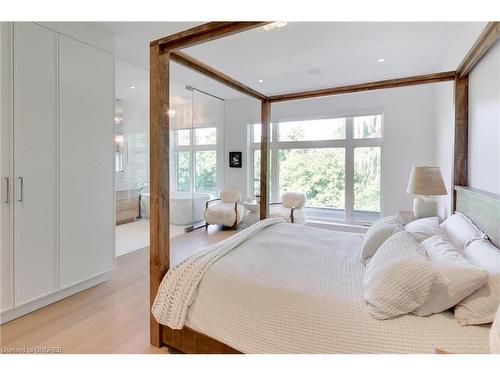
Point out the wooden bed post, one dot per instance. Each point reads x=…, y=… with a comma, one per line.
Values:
x=159, y=253
x=264, y=158
x=460, y=157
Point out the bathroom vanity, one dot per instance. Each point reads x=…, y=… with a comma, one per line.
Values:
x=127, y=206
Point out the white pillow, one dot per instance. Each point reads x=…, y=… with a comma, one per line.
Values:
x=464, y=277
x=378, y=233
x=422, y=229
x=460, y=230
x=399, y=277
x=480, y=307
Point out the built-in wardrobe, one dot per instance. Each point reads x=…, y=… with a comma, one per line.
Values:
x=57, y=167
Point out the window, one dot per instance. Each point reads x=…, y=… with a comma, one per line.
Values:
x=198, y=160
x=183, y=171
x=256, y=173
x=366, y=182
x=206, y=136
x=314, y=130
x=319, y=172
x=206, y=172
x=368, y=127
x=183, y=137
x=336, y=162
x=256, y=168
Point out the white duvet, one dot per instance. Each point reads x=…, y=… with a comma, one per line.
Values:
x=297, y=289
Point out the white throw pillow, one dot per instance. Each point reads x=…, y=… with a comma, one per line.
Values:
x=464, y=277
x=399, y=277
x=480, y=307
x=422, y=229
x=460, y=230
x=378, y=233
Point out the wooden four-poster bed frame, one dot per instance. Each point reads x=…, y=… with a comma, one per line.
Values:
x=167, y=49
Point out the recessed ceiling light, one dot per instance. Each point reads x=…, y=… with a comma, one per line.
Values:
x=381, y=60
x=274, y=25
x=260, y=80
x=314, y=71
x=132, y=87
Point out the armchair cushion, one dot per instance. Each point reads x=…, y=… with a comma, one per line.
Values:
x=230, y=196
x=223, y=214
x=293, y=199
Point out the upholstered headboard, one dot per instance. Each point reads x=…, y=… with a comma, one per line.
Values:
x=482, y=208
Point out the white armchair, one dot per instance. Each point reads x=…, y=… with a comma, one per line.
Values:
x=224, y=210
x=291, y=207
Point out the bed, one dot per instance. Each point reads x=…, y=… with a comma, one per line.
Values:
x=298, y=289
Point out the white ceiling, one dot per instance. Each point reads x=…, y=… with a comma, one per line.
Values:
x=132, y=47
x=132, y=38
x=345, y=52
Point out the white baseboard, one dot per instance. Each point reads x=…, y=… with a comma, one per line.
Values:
x=17, y=312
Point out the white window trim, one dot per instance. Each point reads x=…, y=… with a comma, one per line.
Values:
x=349, y=144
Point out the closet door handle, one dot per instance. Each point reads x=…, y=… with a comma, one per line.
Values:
x=5, y=190
x=20, y=187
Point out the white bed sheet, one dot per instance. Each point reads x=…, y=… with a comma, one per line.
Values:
x=298, y=289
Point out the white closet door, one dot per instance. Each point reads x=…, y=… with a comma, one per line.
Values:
x=87, y=141
x=35, y=161
x=6, y=168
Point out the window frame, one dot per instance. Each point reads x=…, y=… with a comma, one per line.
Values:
x=349, y=144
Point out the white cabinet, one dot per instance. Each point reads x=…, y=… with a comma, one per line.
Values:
x=87, y=173
x=35, y=168
x=6, y=172
x=57, y=208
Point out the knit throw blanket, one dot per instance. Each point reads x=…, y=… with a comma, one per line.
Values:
x=178, y=288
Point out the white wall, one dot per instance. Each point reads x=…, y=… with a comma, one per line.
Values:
x=484, y=123
x=410, y=135
x=444, y=112
x=84, y=32
x=239, y=113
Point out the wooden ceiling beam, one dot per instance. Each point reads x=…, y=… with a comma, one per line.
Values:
x=376, y=85
x=203, y=33
x=486, y=39
x=196, y=65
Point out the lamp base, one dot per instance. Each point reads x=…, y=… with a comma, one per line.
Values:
x=424, y=207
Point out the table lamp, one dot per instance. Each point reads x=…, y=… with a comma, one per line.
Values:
x=424, y=182
x=495, y=334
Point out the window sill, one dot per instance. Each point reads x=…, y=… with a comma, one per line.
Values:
x=343, y=227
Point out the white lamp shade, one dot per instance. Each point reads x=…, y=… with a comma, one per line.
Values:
x=426, y=181
x=495, y=334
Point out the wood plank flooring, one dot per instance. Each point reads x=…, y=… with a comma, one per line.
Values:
x=112, y=317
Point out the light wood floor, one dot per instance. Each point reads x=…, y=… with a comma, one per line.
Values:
x=112, y=317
